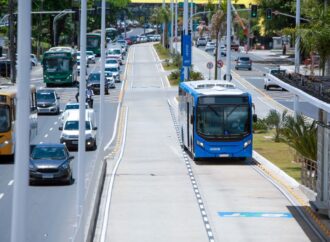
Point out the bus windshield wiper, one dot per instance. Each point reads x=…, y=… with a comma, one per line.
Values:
x=234, y=108
x=215, y=111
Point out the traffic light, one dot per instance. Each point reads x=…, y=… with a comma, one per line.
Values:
x=254, y=9
x=269, y=13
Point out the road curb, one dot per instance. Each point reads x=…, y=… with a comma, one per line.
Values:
x=91, y=226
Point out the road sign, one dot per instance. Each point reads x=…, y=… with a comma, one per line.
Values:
x=220, y=63
x=186, y=50
x=209, y=65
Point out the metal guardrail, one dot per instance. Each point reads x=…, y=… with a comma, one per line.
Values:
x=308, y=173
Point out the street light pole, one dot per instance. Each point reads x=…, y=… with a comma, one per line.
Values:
x=101, y=117
x=163, y=39
x=185, y=32
x=228, y=40
x=22, y=149
x=82, y=111
x=297, y=42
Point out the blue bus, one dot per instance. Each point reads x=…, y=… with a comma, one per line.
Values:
x=215, y=120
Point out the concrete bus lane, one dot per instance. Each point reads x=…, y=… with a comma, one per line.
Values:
x=152, y=199
x=51, y=209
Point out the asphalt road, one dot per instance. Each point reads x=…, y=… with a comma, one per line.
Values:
x=51, y=208
x=160, y=195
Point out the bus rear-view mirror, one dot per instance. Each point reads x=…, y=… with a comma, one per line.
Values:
x=255, y=118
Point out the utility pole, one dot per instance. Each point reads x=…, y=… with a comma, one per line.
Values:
x=297, y=43
x=185, y=33
x=228, y=67
x=12, y=41
x=22, y=149
x=101, y=119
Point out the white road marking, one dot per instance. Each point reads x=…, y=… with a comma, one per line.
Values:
x=55, y=123
x=41, y=142
x=46, y=135
x=50, y=129
x=1, y=195
x=10, y=182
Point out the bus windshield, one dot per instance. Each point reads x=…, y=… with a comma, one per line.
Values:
x=223, y=121
x=4, y=118
x=93, y=42
x=57, y=65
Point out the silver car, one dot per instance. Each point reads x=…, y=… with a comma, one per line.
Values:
x=48, y=101
x=243, y=62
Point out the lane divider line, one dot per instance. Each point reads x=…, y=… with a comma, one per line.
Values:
x=113, y=175
x=198, y=196
x=1, y=195
x=11, y=182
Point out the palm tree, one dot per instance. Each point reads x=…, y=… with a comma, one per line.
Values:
x=276, y=120
x=315, y=34
x=162, y=16
x=217, y=23
x=301, y=135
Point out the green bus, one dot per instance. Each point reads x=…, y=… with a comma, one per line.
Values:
x=111, y=33
x=94, y=43
x=60, y=66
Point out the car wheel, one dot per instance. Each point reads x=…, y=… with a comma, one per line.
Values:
x=70, y=180
x=95, y=146
x=283, y=89
x=58, y=111
x=267, y=88
x=236, y=68
x=250, y=69
x=107, y=92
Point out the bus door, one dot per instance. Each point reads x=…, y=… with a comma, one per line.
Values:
x=190, y=123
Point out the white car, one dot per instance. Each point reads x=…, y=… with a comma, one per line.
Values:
x=70, y=130
x=68, y=107
x=115, y=53
x=268, y=83
x=90, y=56
x=78, y=58
x=115, y=71
x=210, y=46
x=112, y=62
x=201, y=41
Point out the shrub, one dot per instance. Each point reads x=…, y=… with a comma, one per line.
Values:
x=260, y=126
x=195, y=75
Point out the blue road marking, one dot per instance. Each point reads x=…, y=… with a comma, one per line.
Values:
x=254, y=215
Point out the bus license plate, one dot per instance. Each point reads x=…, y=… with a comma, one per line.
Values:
x=224, y=155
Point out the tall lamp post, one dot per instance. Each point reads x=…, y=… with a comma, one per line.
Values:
x=228, y=67
x=21, y=167
x=297, y=43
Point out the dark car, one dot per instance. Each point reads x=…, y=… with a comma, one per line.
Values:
x=50, y=163
x=243, y=62
x=48, y=101
x=93, y=82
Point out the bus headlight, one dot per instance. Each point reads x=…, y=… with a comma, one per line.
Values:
x=201, y=144
x=247, y=143
x=5, y=142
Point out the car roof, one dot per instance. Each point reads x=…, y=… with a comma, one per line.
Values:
x=45, y=90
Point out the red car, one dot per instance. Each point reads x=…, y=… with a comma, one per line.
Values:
x=129, y=41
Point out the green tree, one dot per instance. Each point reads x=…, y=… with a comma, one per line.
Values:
x=276, y=120
x=301, y=135
x=315, y=34
x=217, y=23
x=162, y=16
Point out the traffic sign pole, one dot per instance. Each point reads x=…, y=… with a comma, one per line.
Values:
x=228, y=38
x=185, y=29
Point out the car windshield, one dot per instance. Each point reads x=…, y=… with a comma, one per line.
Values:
x=89, y=52
x=45, y=96
x=72, y=106
x=4, y=118
x=244, y=59
x=94, y=77
x=114, y=52
x=49, y=153
x=74, y=125
x=282, y=72
x=111, y=69
x=57, y=65
x=224, y=120
x=111, y=61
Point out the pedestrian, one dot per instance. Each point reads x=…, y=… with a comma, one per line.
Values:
x=284, y=49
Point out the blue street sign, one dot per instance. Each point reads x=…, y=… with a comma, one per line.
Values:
x=254, y=215
x=186, y=55
x=182, y=74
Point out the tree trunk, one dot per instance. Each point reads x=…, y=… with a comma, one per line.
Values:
x=327, y=67
x=216, y=57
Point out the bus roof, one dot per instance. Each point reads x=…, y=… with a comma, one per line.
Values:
x=211, y=87
x=61, y=49
x=10, y=90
